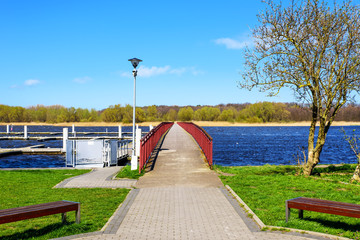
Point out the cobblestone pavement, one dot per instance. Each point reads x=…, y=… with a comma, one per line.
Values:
x=97, y=178
x=182, y=199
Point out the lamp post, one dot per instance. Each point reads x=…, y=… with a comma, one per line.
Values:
x=135, y=62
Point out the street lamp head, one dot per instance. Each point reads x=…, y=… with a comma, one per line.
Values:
x=135, y=62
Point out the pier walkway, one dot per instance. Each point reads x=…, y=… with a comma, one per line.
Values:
x=182, y=199
x=97, y=178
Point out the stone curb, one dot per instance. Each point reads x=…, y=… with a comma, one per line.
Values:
x=119, y=215
x=246, y=207
x=81, y=235
x=262, y=225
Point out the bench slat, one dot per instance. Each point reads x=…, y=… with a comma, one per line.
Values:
x=35, y=207
x=39, y=210
x=323, y=202
x=323, y=206
x=307, y=204
x=313, y=204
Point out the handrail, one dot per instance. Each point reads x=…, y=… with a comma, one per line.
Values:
x=149, y=142
x=204, y=140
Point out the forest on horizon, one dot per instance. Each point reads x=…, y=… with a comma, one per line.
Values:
x=260, y=112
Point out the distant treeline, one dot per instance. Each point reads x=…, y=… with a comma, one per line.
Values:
x=248, y=113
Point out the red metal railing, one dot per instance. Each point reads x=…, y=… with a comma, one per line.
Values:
x=149, y=142
x=204, y=140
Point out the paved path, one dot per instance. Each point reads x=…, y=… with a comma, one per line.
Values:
x=97, y=178
x=182, y=199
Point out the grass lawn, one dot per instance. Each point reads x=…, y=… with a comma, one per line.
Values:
x=265, y=189
x=126, y=172
x=27, y=187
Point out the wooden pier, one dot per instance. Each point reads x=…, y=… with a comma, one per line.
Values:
x=48, y=136
x=36, y=149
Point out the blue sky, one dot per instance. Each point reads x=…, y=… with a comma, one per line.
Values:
x=75, y=53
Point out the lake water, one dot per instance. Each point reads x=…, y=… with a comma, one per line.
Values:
x=241, y=146
x=232, y=146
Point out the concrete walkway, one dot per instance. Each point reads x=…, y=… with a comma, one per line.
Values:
x=182, y=199
x=97, y=178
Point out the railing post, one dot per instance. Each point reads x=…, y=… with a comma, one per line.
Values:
x=25, y=132
x=120, y=132
x=138, y=137
x=65, y=138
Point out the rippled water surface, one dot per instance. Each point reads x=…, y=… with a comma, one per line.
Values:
x=241, y=146
x=233, y=146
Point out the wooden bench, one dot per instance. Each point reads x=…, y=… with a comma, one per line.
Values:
x=40, y=210
x=323, y=206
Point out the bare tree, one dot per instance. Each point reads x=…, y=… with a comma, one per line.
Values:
x=313, y=49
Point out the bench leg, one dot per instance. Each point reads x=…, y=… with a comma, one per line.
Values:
x=63, y=217
x=301, y=213
x=287, y=211
x=77, y=215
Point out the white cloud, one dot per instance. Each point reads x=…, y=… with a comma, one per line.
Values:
x=31, y=82
x=196, y=72
x=125, y=74
x=233, y=43
x=153, y=71
x=144, y=71
x=82, y=80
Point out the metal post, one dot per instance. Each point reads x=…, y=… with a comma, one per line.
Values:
x=77, y=215
x=120, y=132
x=73, y=128
x=134, y=161
x=7, y=129
x=301, y=213
x=25, y=132
x=287, y=212
x=133, y=154
x=138, y=138
x=65, y=138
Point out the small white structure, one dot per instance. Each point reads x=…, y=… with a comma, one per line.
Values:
x=95, y=153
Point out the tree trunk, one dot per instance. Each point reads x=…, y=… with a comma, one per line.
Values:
x=311, y=161
x=314, y=152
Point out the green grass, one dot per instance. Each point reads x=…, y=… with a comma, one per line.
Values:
x=265, y=189
x=126, y=172
x=27, y=187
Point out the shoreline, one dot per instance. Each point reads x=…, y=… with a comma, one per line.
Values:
x=200, y=123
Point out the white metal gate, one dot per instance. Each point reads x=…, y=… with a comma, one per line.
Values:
x=91, y=153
